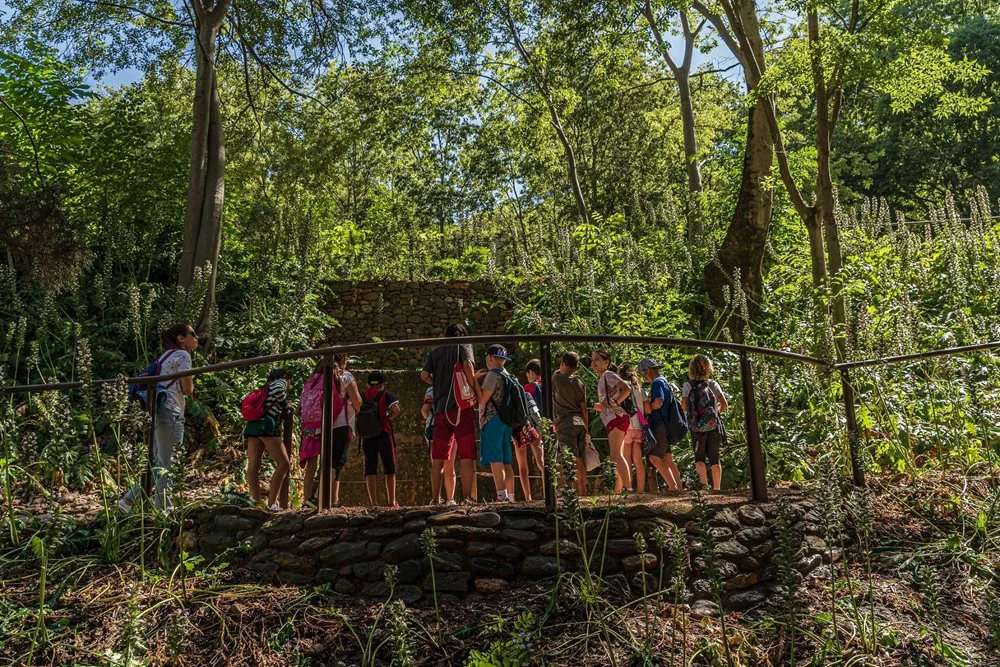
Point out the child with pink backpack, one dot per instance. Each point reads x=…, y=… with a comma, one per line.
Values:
x=345, y=395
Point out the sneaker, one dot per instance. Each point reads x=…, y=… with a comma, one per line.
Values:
x=395, y=506
x=260, y=504
x=124, y=506
x=275, y=507
x=451, y=503
x=435, y=501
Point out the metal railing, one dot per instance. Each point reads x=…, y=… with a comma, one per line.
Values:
x=758, y=480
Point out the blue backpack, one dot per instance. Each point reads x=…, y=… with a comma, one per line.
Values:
x=137, y=390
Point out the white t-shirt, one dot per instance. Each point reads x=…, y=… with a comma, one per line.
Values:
x=345, y=418
x=174, y=399
x=638, y=396
x=608, y=384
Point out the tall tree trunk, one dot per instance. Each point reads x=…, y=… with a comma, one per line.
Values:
x=745, y=242
x=206, y=184
x=746, y=239
x=825, y=191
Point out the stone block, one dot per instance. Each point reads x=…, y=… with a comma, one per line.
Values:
x=726, y=517
x=731, y=550
x=346, y=552
x=449, y=561
x=721, y=533
x=745, y=599
x=644, y=579
x=375, y=589
x=360, y=521
x=314, y=545
x=491, y=568
x=743, y=580
x=410, y=571
x=283, y=524
x=408, y=594
x=368, y=570
x=616, y=527
x=635, y=563
x=621, y=547
x=384, y=533
x=540, y=567
x=293, y=563
x=704, y=609
x=478, y=549
x=403, y=548
x=285, y=542
x=567, y=549
x=522, y=538
x=752, y=536
x=326, y=575
x=232, y=523
x=751, y=515
x=508, y=552
x=216, y=542
x=471, y=533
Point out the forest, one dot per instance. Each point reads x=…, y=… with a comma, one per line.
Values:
x=819, y=177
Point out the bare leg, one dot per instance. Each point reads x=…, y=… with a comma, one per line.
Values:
x=287, y=479
x=700, y=467
x=521, y=453
x=309, y=483
x=716, y=476
x=635, y=458
x=581, y=478
x=508, y=478
x=450, y=476
x=276, y=450
x=372, y=491
x=539, y=454
x=498, y=480
x=665, y=465
x=255, y=451
x=436, y=467
x=390, y=490
x=678, y=485
x=335, y=499
x=616, y=439
x=468, y=467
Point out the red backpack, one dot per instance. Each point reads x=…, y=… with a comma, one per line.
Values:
x=253, y=406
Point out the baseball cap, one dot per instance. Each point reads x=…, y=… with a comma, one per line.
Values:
x=376, y=378
x=646, y=364
x=498, y=351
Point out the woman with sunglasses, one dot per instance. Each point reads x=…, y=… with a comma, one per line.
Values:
x=179, y=341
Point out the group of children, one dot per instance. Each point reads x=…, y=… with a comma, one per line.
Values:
x=460, y=399
x=641, y=426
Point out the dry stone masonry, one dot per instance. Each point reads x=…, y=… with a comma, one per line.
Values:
x=397, y=309
x=484, y=551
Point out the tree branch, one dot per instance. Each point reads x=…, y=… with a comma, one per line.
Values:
x=135, y=10
x=31, y=136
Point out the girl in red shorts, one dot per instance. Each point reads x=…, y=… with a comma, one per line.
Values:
x=611, y=392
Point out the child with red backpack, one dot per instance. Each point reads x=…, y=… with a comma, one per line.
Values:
x=264, y=410
x=703, y=401
x=374, y=424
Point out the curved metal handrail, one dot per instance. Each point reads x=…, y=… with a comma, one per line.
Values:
x=430, y=342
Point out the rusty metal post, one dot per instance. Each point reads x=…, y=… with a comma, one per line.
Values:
x=545, y=356
x=326, y=439
x=853, y=432
x=286, y=440
x=758, y=476
x=147, y=475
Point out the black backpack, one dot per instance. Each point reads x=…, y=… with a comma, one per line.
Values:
x=514, y=409
x=369, y=420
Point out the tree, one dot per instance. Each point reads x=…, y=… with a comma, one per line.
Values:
x=285, y=40
x=844, y=49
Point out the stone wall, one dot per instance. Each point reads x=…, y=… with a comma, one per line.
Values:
x=483, y=551
x=394, y=310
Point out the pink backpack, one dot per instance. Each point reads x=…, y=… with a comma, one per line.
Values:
x=311, y=402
